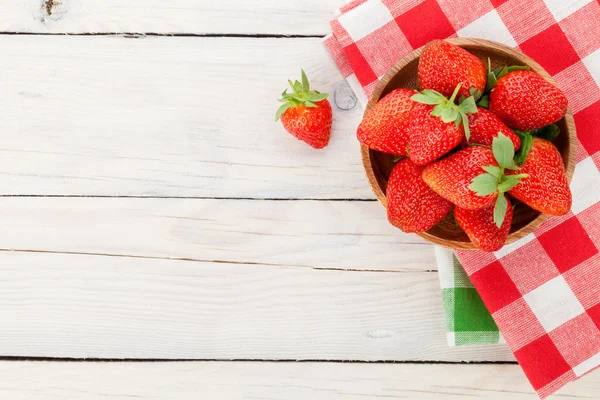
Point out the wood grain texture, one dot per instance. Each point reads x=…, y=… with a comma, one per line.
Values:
x=274, y=381
x=297, y=17
x=317, y=234
x=404, y=75
x=158, y=116
x=56, y=305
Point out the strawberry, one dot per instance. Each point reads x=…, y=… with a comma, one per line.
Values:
x=474, y=177
x=385, y=127
x=451, y=177
x=412, y=205
x=485, y=126
x=435, y=126
x=525, y=101
x=546, y=190
x=443, y=66
x=479, y=225
x=306, y=114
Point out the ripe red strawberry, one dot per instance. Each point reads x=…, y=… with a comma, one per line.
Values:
x=306, y=114
x=546, y=189
x=485, y=126
x=385, y=127
x=435, y=125
x=443, y=66
x=412, y=205
x=452, y=176
x=430, y=137
x=479, y=225
x=525, y=101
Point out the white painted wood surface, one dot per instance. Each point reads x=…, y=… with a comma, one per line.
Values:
x=313, y=234
x=274, y=381
x=160, y=116
x=291, y=17
x=197, y=262
x=65, y=305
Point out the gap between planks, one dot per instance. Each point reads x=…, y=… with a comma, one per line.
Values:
x=247, y=360
x=208, y=261
x=138, y=35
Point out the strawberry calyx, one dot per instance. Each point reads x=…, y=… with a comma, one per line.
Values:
x=494, y=178
x=301, y=96
x=549, y=132
x=497, y=73
x=447, y=109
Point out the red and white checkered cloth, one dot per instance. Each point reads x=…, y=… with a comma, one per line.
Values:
x=543, y=290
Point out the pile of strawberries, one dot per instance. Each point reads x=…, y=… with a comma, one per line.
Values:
x=470, y=139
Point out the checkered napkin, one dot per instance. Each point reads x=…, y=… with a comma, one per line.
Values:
x=467, y=319
x=543, y=291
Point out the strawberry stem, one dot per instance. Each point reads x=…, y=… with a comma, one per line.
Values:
x=455, y=92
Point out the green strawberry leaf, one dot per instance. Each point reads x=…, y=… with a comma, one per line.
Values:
x=305, y=84
x=301, y=95
x=492, y=170
x=549, y=132
x=281, y=110
x=508, y=183
x=500, y=210
x=504, y=151
x=431, y=92
x=475, y=93
x=453, y=114
x=465, y=122
x=468, y=105
x=398, y=158
x=517, y=68
x=526, y=142
x=484, y=184
x=484, y=101
x=491, y=78
x=421, y=98
x=503, y=71
x=447, y=115
x=496, y=71
x=437, y=110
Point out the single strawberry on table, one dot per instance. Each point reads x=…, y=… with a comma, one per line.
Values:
x=411, y=205
x=480, y=227
x=485, y=126
x=546, y=189
x=385, y=127
x=443, y=66
x=523, y=100
x=437, y=125
x=306, y=113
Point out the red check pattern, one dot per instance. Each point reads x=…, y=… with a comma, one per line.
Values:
x=544, y=290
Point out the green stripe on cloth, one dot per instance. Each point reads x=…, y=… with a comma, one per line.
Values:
x=467, y=319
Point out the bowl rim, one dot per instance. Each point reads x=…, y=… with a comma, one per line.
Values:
x=498, y=47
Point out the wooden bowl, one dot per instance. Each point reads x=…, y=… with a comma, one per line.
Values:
x=379, y=165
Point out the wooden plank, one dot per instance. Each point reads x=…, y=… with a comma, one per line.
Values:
x=57, y=305
x=93, y=115
x=274, y=381
x=317, y=234
x=297, y=17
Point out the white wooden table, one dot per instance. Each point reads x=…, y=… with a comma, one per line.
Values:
x=153, y=211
